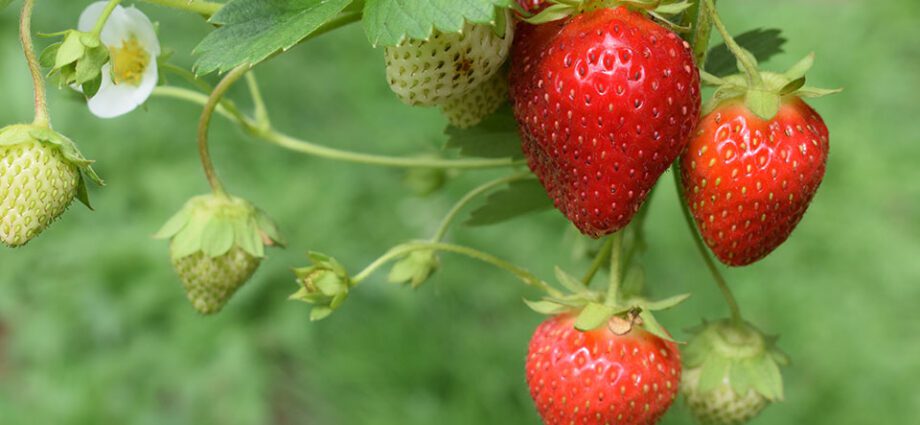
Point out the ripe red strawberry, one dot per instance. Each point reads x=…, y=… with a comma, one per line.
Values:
x=748, y=180
x=598, y=377
x=605, y=101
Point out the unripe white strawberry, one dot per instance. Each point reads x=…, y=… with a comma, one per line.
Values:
x=470, y=108
x=731, y=373
x=40, y=175
x=217, y=243
x=429, y=72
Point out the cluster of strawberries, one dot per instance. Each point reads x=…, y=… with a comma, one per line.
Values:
x=607, y=99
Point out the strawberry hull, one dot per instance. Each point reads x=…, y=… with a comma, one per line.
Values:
x=605, y=101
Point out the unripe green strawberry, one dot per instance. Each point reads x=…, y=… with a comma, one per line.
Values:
x=210, y=281
x=217, y=243
x=731, y=373
x=429, y=72
x=40, y=175
x=722, y=405
x=470, y=108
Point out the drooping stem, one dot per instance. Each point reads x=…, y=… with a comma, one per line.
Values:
x=401, y=250
x=469, y=197
x=309, y=148
x=25, y=37
x=205, y=122
x=201, y=7
x=602, y=256
x=701, y=247
x=104, y=17
x=750, y=68
x=616, y=267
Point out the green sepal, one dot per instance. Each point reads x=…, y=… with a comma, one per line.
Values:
x=78, y=59
x=552, y=13
x=665, y=304
x=593, y=316
x=28, y=133
x=650, y=324
x=415, y=268
x=739, y=354
x=325, y=284
x=214, y=224
x=547, y=307
x=763, y=103
x=570, y=282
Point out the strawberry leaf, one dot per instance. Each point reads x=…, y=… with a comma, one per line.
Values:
x=389, y=22
x=253, y=30
x=519, y=198
x=762, y=43
x=495, y=137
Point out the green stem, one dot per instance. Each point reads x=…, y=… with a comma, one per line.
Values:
x=469, y=197
x=697, y=17
x=261, y=111
x=616, y=266
x=42, y=118
x=701, y=247
x=750, y=68
x=104, y=17
x=308, y=148
x=638, y=231
x=225, y=109
x=599, y=260
x=305, y=147
x=205, y=122
x=187, y=76
x=201, y=7
x=401, y=250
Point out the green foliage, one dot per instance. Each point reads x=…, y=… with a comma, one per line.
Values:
x=764, y=44
x=495, y=137
x=389, y=22
x=519, y=198
x=252, y=30
x=5, y=3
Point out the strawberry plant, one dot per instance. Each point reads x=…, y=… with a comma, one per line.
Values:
x=578, y=105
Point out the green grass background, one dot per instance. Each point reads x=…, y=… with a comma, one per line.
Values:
x=96, y=329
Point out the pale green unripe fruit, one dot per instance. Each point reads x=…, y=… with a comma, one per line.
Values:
x=429, y=72
x=210, y=281
x=37, y=184
x=470, y=108
x=722, y=405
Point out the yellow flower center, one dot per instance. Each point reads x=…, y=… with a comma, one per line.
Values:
x=129, y=62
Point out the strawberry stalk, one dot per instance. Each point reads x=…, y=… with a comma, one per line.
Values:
x=755, y=80
x=42, y=119
x=204, y=125
x=228, y=110
x=201, y=7
x=472, y=195
x=701, y=247
x=616, y=257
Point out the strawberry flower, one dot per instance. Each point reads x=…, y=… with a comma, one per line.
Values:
x=130, y=76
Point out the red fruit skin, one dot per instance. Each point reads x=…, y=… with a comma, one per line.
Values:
x=748, y=181
x=605, y=102
x=598, y=377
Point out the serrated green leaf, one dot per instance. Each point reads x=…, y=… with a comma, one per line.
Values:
x=519, y=198
x=253, y=30
x=546, y=307
x=389, y=22
x=495, y=137
x=593, y=316
x=713, y=373
x=569, y=282
x=217, y=237
x=762, y=43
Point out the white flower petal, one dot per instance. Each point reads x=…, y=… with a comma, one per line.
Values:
x=90, y=15
x=142, y=29
x=113, y=100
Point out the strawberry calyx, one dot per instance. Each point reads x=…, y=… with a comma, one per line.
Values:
x=325, y=284
x=215, y=224
x=17, y=134
x=764, y=92
x=562, y=9
x=594, y=309
x=738, y=354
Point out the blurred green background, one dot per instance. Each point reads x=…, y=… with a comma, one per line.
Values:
x=95, y=329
